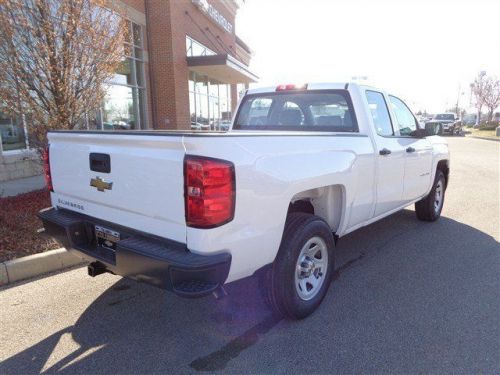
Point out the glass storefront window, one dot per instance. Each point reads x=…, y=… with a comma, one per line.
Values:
x=124, y=74
x=142, y=104
x=209, y=99
x=192, y=108
x=200, y=85
x=213, y=88
x=118, y=110
x=191, y=81
x=202, y=109
x=12, y=133
x=137, y=34
x=225, y=102
x=241, y=89
x=209, y=103
x=139, y=73
x=125, y=101
x=94, y=121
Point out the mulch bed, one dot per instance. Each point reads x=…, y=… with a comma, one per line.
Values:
x=19, y=223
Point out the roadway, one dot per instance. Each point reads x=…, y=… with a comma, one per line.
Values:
x=408, y=297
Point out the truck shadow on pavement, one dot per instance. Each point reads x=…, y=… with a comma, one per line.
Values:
x=134, y=328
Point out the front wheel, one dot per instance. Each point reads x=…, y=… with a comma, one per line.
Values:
x=299, y=278
x=430, y=207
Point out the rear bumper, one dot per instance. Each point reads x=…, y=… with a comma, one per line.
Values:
x=139, y=256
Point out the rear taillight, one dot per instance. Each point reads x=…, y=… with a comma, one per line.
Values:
x=209, y=191
x=46, y=168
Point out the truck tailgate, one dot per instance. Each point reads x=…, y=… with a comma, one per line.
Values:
x=144, y=188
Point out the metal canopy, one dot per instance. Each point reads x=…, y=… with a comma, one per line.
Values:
x=223, y=68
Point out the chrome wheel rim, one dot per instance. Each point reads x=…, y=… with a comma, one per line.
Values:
x=311, y=268
x=438, y=196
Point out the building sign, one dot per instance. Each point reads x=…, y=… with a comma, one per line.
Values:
x=214, y=14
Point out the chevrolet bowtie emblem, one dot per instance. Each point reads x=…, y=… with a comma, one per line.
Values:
x=100, y=184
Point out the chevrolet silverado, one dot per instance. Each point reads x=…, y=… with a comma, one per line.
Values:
x=190, y=211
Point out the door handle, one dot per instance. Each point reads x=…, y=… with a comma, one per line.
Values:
x=384, y=151
x=410, y=149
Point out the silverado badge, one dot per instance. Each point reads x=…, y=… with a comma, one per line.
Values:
x=100, y=184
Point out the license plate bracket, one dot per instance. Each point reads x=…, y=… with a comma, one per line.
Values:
x=106, y=237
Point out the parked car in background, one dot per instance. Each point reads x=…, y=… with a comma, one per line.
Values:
x=469, y=119
x=205, y=126
x=190, y=211
x=195, y=125
x=224, y=125
x=448, y=122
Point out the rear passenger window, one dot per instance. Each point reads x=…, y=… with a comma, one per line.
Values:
x=380, y=113
x=405, y=120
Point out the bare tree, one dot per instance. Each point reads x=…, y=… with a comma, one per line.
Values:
x=478, y=89
x=55, y=58
x=491, y=95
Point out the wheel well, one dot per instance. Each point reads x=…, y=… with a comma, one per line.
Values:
x=301, y=206
x=444, y=167
x=325, y=202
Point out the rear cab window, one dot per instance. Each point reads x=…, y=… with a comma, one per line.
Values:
x=314, y=110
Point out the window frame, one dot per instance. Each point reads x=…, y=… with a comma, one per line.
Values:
x=311, y=128
x=388, y=112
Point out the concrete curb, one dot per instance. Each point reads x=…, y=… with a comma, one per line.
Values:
x=36, y=265
x=485, y=138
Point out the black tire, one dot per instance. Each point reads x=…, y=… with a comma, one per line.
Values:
x=425, y=208
x=278, y=282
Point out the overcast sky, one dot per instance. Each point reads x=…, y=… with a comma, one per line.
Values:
x=421, y=50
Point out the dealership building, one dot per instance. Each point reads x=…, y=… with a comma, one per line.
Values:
x=185, y=69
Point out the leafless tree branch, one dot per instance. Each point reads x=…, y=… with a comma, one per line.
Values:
x=55, y=59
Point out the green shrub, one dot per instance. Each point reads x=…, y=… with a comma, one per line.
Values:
x=488, y=125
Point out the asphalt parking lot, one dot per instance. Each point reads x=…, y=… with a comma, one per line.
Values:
x=408, y=297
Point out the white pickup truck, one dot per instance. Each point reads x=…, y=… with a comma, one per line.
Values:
x=190, y=211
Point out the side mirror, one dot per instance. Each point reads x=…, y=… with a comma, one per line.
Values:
x=433, y=129
x=420, y=133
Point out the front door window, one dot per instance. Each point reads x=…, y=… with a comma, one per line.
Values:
x=406, y=123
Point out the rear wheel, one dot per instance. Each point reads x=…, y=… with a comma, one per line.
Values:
x=300, y=276
x=429, y=208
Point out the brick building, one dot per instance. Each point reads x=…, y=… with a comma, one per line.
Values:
x=193, y=62
x=185, y=67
